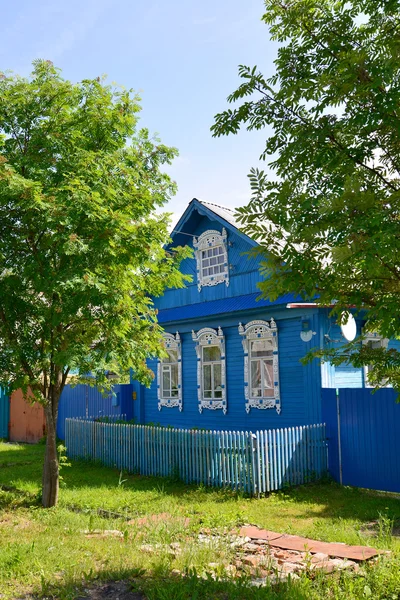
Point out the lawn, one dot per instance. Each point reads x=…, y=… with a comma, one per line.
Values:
x=54, y=553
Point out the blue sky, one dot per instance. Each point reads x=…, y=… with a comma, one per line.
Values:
x=182, y=57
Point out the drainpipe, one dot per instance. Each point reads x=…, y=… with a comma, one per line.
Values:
x=87, y=401
x=339, y=437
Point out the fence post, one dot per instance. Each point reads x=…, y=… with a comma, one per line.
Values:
x=339, y=438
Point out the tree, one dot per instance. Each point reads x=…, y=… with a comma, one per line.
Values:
x=329, y=219
x=81, y=249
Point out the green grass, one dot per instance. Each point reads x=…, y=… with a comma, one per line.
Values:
x=47, y=554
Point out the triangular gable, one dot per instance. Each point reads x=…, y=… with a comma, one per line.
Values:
x=224, y=216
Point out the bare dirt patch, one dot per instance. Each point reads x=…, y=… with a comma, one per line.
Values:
x=117, y=590
x=158, y=518
x=10, y=520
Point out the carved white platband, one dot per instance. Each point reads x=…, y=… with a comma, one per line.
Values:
x=174, y=343
x=211, y=239
x=373, y=336
x=210, y=337
x=253, y=331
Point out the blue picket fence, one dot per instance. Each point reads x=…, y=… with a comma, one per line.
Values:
x=253, y=462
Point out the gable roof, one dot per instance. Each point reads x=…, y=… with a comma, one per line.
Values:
x=215, y=212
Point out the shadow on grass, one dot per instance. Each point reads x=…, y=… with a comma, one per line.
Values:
x=134, y=584
x=21, y=466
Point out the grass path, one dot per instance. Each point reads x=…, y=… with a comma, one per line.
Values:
x=48, y=554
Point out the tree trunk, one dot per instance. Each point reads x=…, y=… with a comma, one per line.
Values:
x=50, y=481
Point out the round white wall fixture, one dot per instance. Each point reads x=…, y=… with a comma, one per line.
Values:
x=348, y=327
x=306, y=335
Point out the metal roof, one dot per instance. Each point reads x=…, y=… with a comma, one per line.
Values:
x=223, y=306
x=223, y=211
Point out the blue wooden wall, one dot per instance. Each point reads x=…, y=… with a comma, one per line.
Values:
x=243, y=270
x=85, y=401
x=219, y=305
x=345, y=375
x=299, y=385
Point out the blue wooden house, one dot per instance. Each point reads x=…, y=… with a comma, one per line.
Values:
x=233, y=360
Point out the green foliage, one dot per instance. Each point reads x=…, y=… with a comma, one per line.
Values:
x=82, y=249
x=326, y=212
x=62, y=460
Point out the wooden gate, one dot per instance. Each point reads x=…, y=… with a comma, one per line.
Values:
x=27, y=422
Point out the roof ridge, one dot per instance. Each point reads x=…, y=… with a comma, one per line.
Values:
x=217, y=205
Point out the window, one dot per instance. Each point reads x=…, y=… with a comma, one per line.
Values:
x=169, y=374
x=210, y=350
x=261, y=365
x=212, y=258
x=374, y=341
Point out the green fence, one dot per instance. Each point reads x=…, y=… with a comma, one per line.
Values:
x=253, y=462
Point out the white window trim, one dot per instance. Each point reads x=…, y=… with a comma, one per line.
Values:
x=210, y=337
x=174, y=342
x=253, y=331
x=211, y=239
x=372, y=336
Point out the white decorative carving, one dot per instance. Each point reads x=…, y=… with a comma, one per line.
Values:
x=174, y=342
x=210, y=337
x=253, y=331
x=369, y=338
x=207, y=240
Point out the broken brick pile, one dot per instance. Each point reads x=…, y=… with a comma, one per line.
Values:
x=270, y=556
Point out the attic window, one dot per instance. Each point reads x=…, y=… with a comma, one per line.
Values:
x=212, y=258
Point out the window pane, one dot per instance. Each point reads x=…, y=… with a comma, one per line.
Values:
x=261, y=348
x=204, y=254
x=211, y=353
x=210, y=252
x=174, y=380
x=268, y=373
x=220, y=259
x=207, y=381
x=375, y=344
x=255, y=378
x=166, y=383
x=213, y=261
x=217, y=381
x=172, y=355
x=206, y=262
